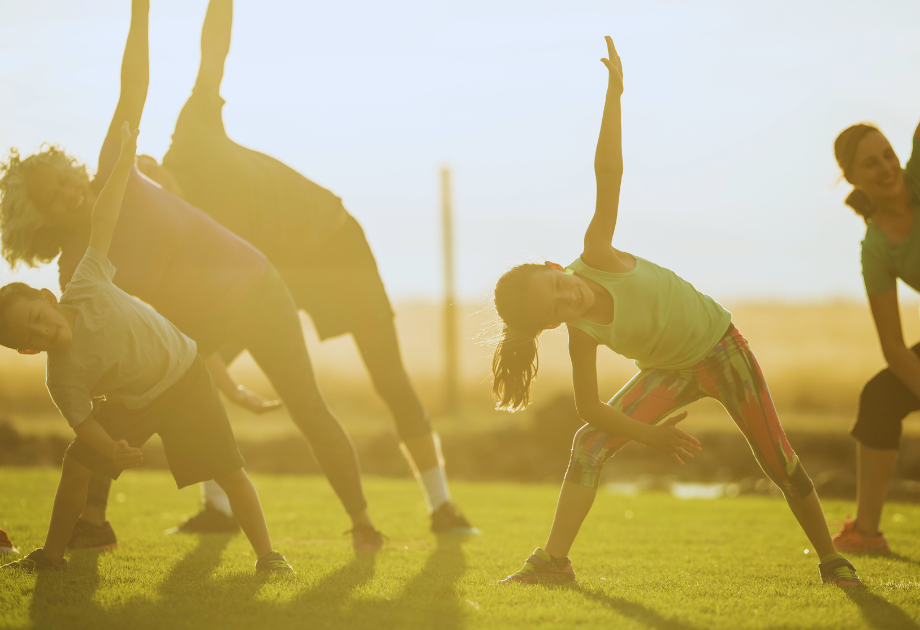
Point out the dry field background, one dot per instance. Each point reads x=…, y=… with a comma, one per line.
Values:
x=816, y=358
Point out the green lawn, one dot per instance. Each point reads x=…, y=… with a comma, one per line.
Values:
x=649, y=561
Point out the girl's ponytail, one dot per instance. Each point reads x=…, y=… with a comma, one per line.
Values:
x=845, y=151
x=515, y=362
x=514, y=366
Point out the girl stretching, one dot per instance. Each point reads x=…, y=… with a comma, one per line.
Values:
x=684, y=345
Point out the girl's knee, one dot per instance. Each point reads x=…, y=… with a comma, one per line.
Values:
x=585, y=465
x=579, y=442
x=795, y=485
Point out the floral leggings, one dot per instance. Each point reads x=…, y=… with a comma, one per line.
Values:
x=731, y=375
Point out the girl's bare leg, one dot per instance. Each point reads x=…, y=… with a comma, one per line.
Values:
x=810, y=515
x=575, y=502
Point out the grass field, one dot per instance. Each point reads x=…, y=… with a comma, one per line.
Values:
x=648, y=561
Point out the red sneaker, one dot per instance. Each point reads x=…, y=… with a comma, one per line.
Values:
x=540, y=569
x=852, y=540
x=6, y=546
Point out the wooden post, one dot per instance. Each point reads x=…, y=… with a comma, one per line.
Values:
x=451, y=371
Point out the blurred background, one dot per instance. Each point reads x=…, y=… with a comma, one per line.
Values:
x=729, y=115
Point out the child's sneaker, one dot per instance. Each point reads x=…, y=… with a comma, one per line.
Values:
x=447, y=519
x=540, y=568
x=6, y=545
x=209, y=520
x=274, y=562
x=86, y=535
x=366, y=538
x=835, y=569
x=852, y=540
x=36, y=561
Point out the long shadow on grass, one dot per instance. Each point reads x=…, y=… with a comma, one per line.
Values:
x=902, y=558
x=429, y=600
x=633, y=610
x=190, y=596
x=880, y=613
x=59, y=598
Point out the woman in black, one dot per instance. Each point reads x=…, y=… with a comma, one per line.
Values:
x=318, y=248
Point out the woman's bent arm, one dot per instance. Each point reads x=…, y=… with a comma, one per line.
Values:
x=901, y=361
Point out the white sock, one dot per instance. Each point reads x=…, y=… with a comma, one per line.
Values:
x=214, y=495
x=434, y=486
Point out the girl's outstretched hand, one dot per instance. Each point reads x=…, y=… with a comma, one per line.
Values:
x=128, y=142
x=615, y=66
x=673, y=442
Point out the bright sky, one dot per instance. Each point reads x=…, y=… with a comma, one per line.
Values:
x=729, y=115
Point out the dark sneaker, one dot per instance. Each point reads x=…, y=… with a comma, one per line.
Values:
x=839, y=572
x=210, y=520
x=36, y=561
x=366, y=538
x=89, y=536
x=274, y=562
x=540, y=569
x=447, y=519
x=6, y=545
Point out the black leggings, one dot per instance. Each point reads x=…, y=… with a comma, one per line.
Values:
x=884, y=403
x=267, y=324
x=379, y=347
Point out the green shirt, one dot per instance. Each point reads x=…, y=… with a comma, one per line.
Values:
x=883, y=262
x=659, y=319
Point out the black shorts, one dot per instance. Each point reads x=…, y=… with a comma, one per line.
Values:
x=884, y=403
x=190, y=420
x=339, y=285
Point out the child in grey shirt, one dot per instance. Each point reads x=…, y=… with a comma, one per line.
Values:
x=101, y=342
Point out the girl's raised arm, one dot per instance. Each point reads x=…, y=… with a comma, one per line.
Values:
x=135, y=71
x=608, y=160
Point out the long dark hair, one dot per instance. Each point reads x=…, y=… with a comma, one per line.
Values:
x=845, y=152
x=515, y=362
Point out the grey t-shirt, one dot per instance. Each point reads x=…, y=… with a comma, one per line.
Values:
x=122, y=349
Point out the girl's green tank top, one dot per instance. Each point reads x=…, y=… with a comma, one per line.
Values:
x=659, y=319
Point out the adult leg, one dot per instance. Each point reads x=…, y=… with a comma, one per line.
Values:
x=379, y=347
x=875, y=468
x=732, y=375
x=275, y=340
x=648, y=397
x=212, y=495
x=883, y=404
